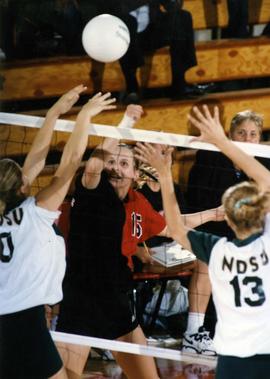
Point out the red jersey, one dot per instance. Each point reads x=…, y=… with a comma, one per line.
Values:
x=142, y=222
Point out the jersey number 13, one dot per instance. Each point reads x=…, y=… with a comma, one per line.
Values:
x=255, y=284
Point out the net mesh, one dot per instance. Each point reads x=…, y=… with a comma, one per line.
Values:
x=202, y=176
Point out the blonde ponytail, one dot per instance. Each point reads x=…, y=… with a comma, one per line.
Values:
x=10, y=183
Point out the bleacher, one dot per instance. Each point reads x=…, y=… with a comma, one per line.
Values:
x=209, y=14
x=218, y=60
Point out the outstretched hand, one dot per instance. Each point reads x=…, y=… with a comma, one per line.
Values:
x=98, y=103
x=66, y=101
x=132, y=114
x=160, y=159
x=209, y=126
x=134, y=111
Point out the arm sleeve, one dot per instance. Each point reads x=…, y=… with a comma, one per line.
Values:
x=202, y=244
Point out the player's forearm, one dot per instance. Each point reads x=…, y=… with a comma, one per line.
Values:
x=95, y=164
x=192, y=220
x=35, y=160
x=173, y=215
x=53, y=195
x=76, y=145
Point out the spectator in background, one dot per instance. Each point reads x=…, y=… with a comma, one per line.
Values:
x=153, y=28
x=6, y=33
x=40, y=28
x=53, y=27
x=238, y=20
x=212, y=172
x=266, y=30
x=154, y=24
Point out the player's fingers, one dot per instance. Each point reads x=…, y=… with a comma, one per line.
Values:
x=140, y=146
x=105, y=95
x=109, y=101
x=96, y=96
x=169, y=149
x=80, y=88
x=140, y=157
x=106, y=107
x=143, y=152
x=207, y=112
x=151, y=147
x=216, y=113
x=195, y=122
x=199, y=114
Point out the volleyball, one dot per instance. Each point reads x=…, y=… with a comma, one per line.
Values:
x=105, y=38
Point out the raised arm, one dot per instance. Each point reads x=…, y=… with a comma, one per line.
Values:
x=213, y=132
x=52, y=196
x=162, y=163
x=95, y=164
x=35, y=160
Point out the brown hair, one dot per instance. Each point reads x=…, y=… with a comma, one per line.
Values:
x=10, y=183
x=245, y=206
x=249, y=115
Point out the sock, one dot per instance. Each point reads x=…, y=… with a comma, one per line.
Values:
x=195, y=320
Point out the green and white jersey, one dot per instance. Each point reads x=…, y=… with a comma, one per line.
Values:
x=32, y=258
x=240, y=275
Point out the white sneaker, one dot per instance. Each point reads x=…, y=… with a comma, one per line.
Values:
x=199, y=343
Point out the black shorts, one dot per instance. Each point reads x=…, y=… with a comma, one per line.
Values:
x=96, y=315
x=255, y=367
x=27, y=349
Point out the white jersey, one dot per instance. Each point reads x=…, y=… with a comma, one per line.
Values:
x=32, y=258
x=240, y=276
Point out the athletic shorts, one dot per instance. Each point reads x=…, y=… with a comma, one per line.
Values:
x=96, y=315
x=27, y=349
x=255, y=367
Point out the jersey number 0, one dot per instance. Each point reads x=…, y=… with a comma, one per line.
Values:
x=6, y=247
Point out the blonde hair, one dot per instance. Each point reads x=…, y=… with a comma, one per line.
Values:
x=245, y=206
x=10, y=182
x=246, y=115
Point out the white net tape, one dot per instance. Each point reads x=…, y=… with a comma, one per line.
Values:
x=133, y=348
x=172, y=139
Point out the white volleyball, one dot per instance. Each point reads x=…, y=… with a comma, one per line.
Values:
x=105, y=38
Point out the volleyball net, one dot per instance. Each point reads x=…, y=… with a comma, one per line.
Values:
x=16, y=135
